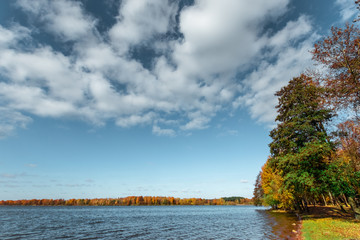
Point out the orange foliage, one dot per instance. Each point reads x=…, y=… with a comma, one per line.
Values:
x=127, y=201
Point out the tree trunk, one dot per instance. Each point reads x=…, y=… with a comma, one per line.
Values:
x=300, y=205
x=304, y=203
x=324, y=199
x=355, y=206
x=331, y=199
x=346, y=202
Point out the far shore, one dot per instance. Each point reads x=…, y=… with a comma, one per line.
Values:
x=129, y=201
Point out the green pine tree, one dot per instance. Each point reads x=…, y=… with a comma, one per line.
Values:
x=301, y=146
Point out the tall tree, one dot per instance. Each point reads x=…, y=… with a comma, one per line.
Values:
x=300, y=145
x=301, y=117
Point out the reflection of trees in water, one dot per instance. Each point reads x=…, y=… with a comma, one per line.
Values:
x=278, y=225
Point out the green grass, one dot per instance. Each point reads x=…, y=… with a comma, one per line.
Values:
x=330, y=229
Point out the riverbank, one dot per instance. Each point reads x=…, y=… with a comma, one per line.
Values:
x=329, y=223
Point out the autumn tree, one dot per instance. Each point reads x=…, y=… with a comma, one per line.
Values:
x=139, y=200
x=340, y=54
x=271, y=186
x=274, y=192
x=348, y=159
x=349, y=136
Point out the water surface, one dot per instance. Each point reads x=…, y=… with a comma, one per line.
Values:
x=144, y=222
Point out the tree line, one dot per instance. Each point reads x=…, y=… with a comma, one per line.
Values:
x=128, y=201
x=315, y=149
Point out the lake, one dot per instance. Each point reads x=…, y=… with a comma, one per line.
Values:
x=144, y=222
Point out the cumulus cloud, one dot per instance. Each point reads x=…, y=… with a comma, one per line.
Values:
x=10, y=37
x=269, y=77
x=141, y=20
x=191, y=78
x=65, y=19
x=221, y=36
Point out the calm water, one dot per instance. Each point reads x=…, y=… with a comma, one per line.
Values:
x=144, y=222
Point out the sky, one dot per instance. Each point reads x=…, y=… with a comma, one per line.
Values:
x=115, y=98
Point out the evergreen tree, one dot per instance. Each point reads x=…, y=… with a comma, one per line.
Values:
x=301, y=117
x=300, y=145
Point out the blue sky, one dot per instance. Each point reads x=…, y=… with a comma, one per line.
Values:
x=162, y=98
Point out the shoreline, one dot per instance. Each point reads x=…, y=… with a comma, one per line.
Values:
x=294, y=232
x=326, y=222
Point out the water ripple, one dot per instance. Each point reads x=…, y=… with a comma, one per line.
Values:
x=153, y=222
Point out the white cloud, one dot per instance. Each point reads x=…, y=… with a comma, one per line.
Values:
x=141, y=20
x=11, y=175
x=291, y=32
x=64, y=18
x=10, y=120
x=133, y=120
x=194, y=78
x=221, y=36
x=10, y=37
x=163, y=131
x=348, y=9
x=198, y=121
x=269, y=77
x=32, y=99
x=44, y=68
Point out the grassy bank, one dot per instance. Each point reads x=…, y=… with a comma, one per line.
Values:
x=329, y=223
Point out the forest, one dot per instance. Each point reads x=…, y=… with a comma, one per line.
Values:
x=315, y=149
x=129, y=201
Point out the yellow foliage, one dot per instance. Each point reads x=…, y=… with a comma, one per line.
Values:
x=272, y=184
